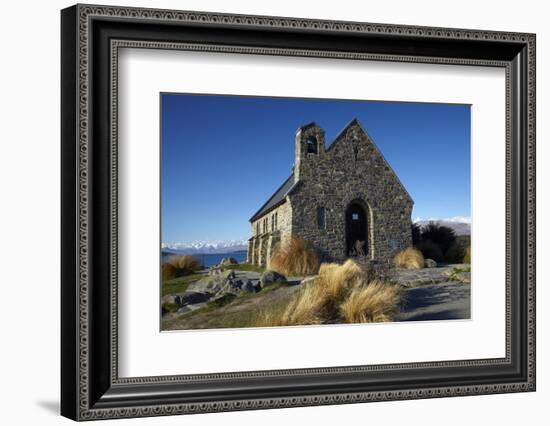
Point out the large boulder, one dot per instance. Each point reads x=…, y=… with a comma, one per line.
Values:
x=191, y=298
x=231, y=286
x=462, y=277
x=430, y=263
x=212, y=283
x=169, y=299
x=271, y=277
x=251, y=287
x=169, y=304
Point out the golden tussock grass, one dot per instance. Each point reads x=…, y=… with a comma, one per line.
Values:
x=339, y=294
x=187, y=263
x=178, y=266
x=409, y=258
x=296, y=257
x=377, y=302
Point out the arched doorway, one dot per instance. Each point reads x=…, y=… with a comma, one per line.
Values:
x=356, y=229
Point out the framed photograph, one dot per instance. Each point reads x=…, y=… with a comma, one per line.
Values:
x=263, y=212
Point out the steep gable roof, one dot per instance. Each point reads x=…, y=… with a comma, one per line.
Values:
x=280, y=194
x=356, y=122
x=342, y=133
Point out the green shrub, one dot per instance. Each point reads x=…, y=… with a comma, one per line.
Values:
x=416, y=231
x=430, y=250
x=455, y=254
x=443, y=236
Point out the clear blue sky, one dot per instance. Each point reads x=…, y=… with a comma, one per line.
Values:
x=223, y=156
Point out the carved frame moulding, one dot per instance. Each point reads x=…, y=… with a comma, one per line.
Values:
x=91, y=39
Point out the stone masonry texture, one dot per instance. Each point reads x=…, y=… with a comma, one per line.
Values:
x=328, y=180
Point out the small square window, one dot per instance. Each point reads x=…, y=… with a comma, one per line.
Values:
x=354, y=216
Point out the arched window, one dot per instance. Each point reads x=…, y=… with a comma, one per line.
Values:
x=311, y=145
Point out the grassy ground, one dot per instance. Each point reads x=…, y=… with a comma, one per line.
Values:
x=179, y=285
x=242, y=311
x=339, y=294
x=245, y=267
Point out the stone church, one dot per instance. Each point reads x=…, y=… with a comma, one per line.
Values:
x=344, y=199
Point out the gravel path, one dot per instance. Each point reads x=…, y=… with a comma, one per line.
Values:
x=432, y=294
x=443, y=301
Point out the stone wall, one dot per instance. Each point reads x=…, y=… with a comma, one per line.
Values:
x=262, y=244
x=351, y=170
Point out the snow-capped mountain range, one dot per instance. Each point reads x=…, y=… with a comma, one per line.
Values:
x=205, y=247
x=460, y=224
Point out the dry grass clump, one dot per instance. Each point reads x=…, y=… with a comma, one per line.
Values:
x=168, y=271
x=341, y=293
x=409, y=258
x=377, y=302
x=296, y=257
x=178, y=266
x=186, y=263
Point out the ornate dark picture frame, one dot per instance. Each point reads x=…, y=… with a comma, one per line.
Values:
x=91, y=37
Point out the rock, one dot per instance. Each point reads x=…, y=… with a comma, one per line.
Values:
x=256, y=285
x=231, y=287
x=271, y=277
x=236, y=283
x=191, y=298
x=184, y=310
x=228, y=261
x=430, y=263
x=169, y=299
x=251, y=287
x=463, y=277
x=212, y=283
x=169, y=304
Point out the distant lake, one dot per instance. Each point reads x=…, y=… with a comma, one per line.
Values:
x=212, y=259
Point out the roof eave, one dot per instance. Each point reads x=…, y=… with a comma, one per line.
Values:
x=258, y=216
